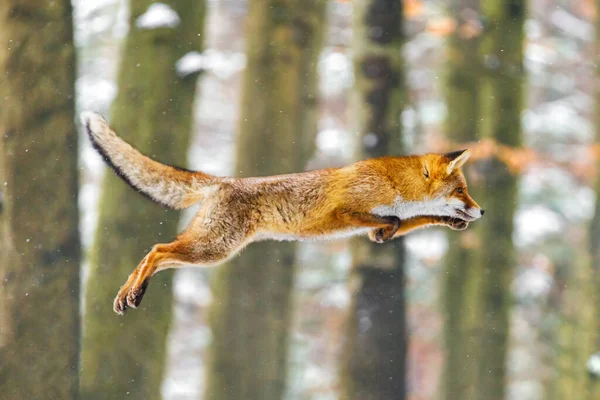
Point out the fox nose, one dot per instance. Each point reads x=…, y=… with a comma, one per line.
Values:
x=482, y=212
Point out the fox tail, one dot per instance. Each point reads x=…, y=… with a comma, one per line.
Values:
x=170, y=186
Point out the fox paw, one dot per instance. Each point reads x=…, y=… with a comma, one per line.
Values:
x=456, y=224
x=382, y=235
x=129, y=297
x=376, y=235
x=136, y=294
x=120, y=302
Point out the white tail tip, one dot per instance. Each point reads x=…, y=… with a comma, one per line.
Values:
x=92, y=119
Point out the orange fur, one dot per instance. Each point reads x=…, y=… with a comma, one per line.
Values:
x=384, y=198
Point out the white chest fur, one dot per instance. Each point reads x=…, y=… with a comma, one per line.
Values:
x=407, y=209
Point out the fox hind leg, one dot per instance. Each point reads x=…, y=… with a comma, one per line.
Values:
x=162, y=255
x=132, y=292
x=120, y=302
x=205, y=251
x=215, y=234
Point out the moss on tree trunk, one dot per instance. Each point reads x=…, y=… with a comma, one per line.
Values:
x=124, y=357
x=39, y=239
x=501, y=105
x=250, y=315
x=374, y=360
x=461, y=283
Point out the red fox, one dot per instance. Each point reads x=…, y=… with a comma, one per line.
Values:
x=384, y=198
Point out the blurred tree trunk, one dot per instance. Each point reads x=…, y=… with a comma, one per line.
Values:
x=593, y=384
x=250, y=316
x=374, y=361
x=39, y=237
x=462, y=281
x=594, y=243
x=123, y=357
x=574, y=339
x=578, y=339
x=501, y=97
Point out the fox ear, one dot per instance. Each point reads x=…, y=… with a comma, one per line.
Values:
x=457, y=159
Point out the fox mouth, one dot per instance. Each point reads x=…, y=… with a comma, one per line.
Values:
x=464, y=215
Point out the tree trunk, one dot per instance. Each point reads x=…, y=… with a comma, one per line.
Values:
x=594, y=243
x=574, y=339
x=39, y=236
x=250, y=317
x=501, y=106
x=593, y=383
x=374, y=361
x=123, y=357
x=461, y=283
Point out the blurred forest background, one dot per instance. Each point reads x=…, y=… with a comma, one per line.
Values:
x=508, y=309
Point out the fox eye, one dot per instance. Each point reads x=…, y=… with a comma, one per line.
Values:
x=426, y=172
x=459, y=190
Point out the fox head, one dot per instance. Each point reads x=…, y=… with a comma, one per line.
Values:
x=447, y=193
x=427, y=185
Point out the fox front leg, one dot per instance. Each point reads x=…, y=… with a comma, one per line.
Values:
x=382, y=235
x=385, y=226
x=456, y=224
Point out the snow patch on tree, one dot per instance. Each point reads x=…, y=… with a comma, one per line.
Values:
x=190, y=63
x=593, y=364
x=223, y=66
x=158, y=15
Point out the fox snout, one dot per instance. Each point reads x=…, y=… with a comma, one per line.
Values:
x=469, y=214
x=470, y=210
x=477, y=213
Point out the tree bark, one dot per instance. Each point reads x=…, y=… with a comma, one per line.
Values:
x=39, y=237
x=123, y=357
x=462, y=281
x=501, y=106
x=374, y=360
x=250, y=316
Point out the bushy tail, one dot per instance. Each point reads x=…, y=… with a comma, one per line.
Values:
x=170, y=186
